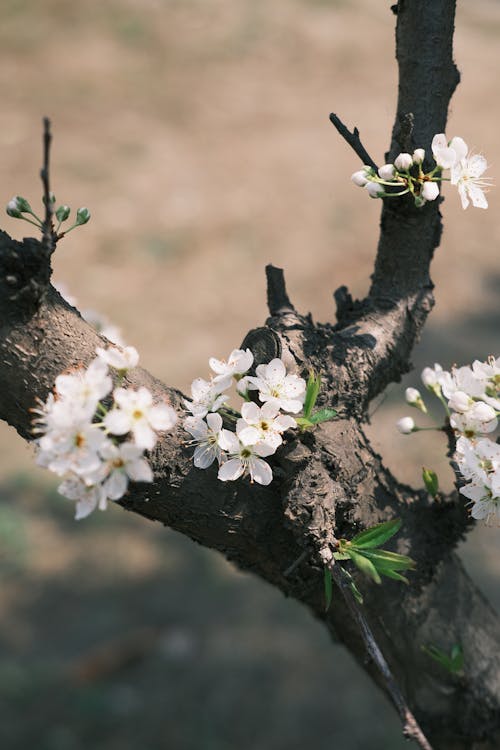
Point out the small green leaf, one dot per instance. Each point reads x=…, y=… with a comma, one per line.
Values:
x=328, y=588
x=364, y=565
x=312, y=391
x=341, y=555
x=377, y=535
x=453, y=663
x=354, y=589
x=431, y=481
x=323, y=415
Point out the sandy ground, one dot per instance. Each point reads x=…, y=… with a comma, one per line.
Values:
x=197, y=133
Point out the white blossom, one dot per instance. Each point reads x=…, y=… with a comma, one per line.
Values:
x=123, y=462
x=84, y=388
x=287, y=392
x=207, y=395
x=237, y=364
x=466, y=174
x=206, y=437
x=136, y=413
x=87, y=498
x=119, y=359
x=244, y=459
x=264, y=424
x=447, y=155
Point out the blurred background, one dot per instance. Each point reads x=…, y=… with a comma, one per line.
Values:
x=197, y=133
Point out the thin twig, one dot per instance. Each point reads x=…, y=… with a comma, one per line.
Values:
x=411, y=728
x=300, y=559
x=49, y=237
x=353, y=140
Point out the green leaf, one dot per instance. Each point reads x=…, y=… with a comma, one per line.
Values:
x=377, y=535
x=457, y=657
x=312, y=391
x=389, y=573
x=328, y=588
x=364, y=565
x=383, y=559
x=323, y=415
x=453, y=663
x=356, y=592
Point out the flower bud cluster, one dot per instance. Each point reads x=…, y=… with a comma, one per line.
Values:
x=471, y=396
x=93, y=436
x=406, y=174
x=19, y=208
x=258, y=428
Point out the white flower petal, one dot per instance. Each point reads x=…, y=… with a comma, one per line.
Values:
x=231, y=470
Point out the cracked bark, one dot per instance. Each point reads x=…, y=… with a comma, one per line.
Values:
x=330, y=482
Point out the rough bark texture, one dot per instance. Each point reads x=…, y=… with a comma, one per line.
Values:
x=330, y=482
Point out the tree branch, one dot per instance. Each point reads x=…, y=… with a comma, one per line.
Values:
x=353, y=140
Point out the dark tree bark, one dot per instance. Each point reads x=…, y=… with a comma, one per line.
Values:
x=329, y=483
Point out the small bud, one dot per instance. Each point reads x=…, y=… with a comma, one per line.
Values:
x=82, y=216
x=405, y=425
x=12, y=209
x=418, y=155
x=374, y=189
x=359, y=178
x=52, y=197
x=431, y=481
x=62, y=213
x=430, y=378
x=22, y=204
x=413, y=398
x=430, y=191
x=403, y=162
x=386, y=172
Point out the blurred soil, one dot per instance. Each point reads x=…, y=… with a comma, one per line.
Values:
x=197, y=133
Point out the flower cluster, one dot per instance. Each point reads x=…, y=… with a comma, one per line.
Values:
x=258, y=429
x=406, y=174
x=471, y=397
x=97, y=449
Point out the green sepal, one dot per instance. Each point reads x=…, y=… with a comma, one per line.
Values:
x=328, y=581
x=323, y=415
x=377, y=535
